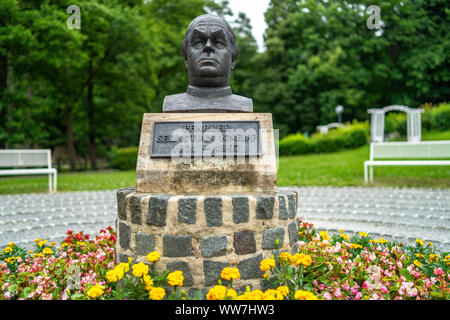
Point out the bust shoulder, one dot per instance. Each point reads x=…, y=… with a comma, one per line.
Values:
x=183, y=102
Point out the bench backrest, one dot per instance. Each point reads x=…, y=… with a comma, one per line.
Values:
x=410, y=150
x=26, y=158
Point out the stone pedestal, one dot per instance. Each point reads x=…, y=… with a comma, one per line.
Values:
x=202, y=234
x=212, y=176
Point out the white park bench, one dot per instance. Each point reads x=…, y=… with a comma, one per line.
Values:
x=429, y=151
x=28, y=162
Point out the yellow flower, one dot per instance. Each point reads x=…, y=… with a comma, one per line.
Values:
x=231, y=293
x=176, y=278
x=230, y=273
x=419, y=242
x=324, y=235
x=112, y=276
x=11, y=244
x=41, y=243
x=7, y=250
x=304, y=295
x=64, y=244
x=417, y=263
x=285, y=257
x=373, y=241
x=96, y=291
x=430, y=244
x=381, y=240
x=140, y=269
x=148, y=282
x=345, y=237
x=301, y=258
x=157, y=293
x=37, y=240
x=447, y=259
x=217, y=293
x=265, y=275
x=284, y=290
x=355, y=246
x=434, y=257
x=363, y=234
x=47, y=251
x=153, y=256
x=419, y=255
x=271, y=294
x=267, y=264
x=123, y=266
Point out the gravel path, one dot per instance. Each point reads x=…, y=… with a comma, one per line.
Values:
x=391, y=213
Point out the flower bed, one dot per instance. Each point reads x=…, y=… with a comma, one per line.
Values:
x=329, y=268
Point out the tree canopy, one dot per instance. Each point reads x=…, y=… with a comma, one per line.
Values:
x=84, y=90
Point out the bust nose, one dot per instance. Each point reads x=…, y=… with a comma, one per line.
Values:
x=208, y=46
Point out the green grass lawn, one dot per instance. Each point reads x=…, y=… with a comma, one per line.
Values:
x=344, y=168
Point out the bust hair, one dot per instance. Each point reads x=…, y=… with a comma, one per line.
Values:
x=216, y=20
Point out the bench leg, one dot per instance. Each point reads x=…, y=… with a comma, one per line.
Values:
x=371, y=173
x=49, y=182
x=365, y=173
x=54, y=181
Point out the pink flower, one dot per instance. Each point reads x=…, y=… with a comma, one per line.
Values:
x=327, y=296
x=358, y=296
x=438, y=272
x=337, y=293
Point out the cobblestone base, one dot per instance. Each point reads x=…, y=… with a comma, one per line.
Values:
x=201, y=235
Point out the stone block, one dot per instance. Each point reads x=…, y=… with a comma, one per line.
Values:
x=264, y=207
x=283, y=213
x=292, y=205
x=213, y=211
x=212, y=270
x=136, y=209
x=240, y=209
x=213, y=246
x=293, y=232
x=157, y=210
x=244, y=242
x=184, y=267
x=249, y=268
x=177, y=246
x=125, y=235
x=123, y=258
x=270, y=236
x=121, y=202
x=145, y=243
x=187, y=210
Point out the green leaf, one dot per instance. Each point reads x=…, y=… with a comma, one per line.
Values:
x=406, y=274
x=25, y=292
x=78, y=296
x=14, y=288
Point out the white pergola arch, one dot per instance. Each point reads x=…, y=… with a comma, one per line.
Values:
x=413, y=122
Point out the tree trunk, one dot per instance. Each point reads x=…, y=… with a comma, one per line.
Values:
x=70, y=143
x=3, y=86
x=91, y=122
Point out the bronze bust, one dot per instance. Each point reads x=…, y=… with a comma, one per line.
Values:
x=210, y=54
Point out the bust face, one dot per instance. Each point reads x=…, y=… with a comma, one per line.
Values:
x=209, y=57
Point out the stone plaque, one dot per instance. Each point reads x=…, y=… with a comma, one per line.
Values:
x=211, y=138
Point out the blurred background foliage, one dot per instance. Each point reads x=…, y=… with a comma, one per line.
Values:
x=82, y=92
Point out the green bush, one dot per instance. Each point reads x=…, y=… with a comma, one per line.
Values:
x=294, y=145
x=440, y=117
x=395, y=122
x=124, y=158
x=349, y=137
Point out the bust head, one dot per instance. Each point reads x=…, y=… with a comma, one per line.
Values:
x=210, y=51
